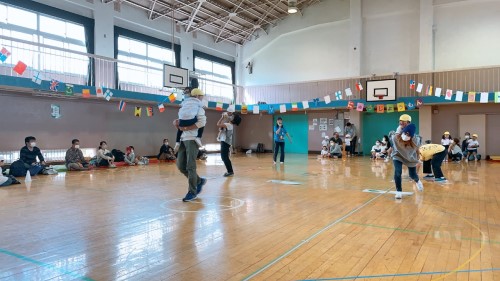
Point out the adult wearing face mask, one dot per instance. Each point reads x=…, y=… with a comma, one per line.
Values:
x=104, y=156
x=166, y=151
x=29, y=154
x=465, y=142
x=74, y=157
x=405, y=152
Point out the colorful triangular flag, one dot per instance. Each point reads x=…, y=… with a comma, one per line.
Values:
x=54, y=84
x=4, y=54
x=305, y=104
x=137, y=111
x=420, y=86
x=69, y=89
x=172, y=98
x=449, y=94
x=401, y=106
x=296, y=108
x=282, y=108
x=360, y=106
x=86, y=93
x=380, y=108
x=412, y=84
x=348, y=92
x=327, y=99
x=99, y=92
x=390, y=108
x=37, y=78
x=20, y=67
x=218, y=106
x=149, y=111
x=161, y=107
x=472, y=97
x=359, y=87
x=108, y=94
x=121, y=105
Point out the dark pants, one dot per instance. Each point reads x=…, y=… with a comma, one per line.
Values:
x=455, y=157
x=277, y=146
x=398, y=170
x=186, y=163
x=354, y=142
x=8, y=182
x=224, y=154
x=187, y=123
x=433, y=165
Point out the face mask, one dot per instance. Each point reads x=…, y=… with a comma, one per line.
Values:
x=33, y=144
x=77, y=146
x=166, y=143
x=377, y=143
x=452, y=142
x=331, y=143
x=467, y=136
x=405, y=137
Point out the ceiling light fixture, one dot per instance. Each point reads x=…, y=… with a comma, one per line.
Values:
x=292, y=6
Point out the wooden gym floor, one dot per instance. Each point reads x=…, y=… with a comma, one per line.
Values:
x=130, y=224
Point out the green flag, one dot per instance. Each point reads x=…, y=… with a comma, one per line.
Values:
x=69, y=89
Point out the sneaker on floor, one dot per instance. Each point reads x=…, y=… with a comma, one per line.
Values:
x=429, y=177
x=228, y=174
x=189, y=197
x=441, y=180
x=199, y=187
x=398, y=195
x=282, y=162
x=176, y=147
x=420, y=186
x=112, y=165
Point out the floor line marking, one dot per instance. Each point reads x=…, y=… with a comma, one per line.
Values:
x=297, y=246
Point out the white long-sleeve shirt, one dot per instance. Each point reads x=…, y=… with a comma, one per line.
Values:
x=202, y=121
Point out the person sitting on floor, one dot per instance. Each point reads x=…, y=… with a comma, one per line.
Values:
x=104, y=157
x=29, y=154
x=335, y=150
x=6, y=180
x=166, y=152
x=130, y=157
x=325, y=153
x=455, y=151
x=74, y=157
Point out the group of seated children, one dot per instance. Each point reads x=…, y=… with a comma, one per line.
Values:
x=469, y=146
x=381, y=149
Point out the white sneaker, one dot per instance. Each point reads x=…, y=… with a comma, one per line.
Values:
x=420, y=185
x=398, y=195
x=176, y=147
x=198, y=142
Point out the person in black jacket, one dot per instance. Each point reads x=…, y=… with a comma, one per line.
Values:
x=166, y=151
x=464, y=143
x=29, y=154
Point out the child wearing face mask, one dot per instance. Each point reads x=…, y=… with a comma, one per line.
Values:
x=348, y=148
x=464, y=143
x=454, y=151
x=29, y=154
x=335, y=150
x=104, y=156
x=405, y=152
x=446, y=141
x=376, y=150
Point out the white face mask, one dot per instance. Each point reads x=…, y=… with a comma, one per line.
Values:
x=467, y=136
x=33, y=144
x=331, y=144
x=77, y=146
x=405, y=137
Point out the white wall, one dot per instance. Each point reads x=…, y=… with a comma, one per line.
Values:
x=467, y=34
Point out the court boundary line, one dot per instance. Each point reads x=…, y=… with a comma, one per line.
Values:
x=314, y=235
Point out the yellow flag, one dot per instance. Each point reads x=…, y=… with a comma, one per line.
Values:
x=401, y=106
x=137, y=111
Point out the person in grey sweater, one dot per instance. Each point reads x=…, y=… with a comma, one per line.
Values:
x=405, y=151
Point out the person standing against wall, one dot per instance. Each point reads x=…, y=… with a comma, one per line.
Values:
x=351, y=130
x=279, y=140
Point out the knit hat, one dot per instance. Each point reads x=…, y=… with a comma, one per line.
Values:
x=410, y=129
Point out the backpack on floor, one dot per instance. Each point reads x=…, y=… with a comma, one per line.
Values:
x=17, y=169
x=119, y=155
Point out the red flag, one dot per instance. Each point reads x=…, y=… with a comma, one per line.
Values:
x=86, y=93
x=20, y=67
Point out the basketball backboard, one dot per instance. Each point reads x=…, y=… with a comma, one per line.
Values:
x=175, y=77
x=381, y=90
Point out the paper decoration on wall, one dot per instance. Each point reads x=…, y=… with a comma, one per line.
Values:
x=108, y=94
x=231, y=107
x=20, y=67
x=390, y=108
x=412, y=84
x=37, y=78
x=449, y=94
x=99, y=92
x=4, y=54
x=438, y=92
x=420, y=86
x=327, y=99
x=149, y=111
x=86, y=93
x=359, y=87
x=172, y=98
x=360, y=106
x=370, y=108
x=348, y=92
x=295, y=107
x=256, y=109
x=428, y=92
x=338, y=95
x=270, y=110
x=282, y=108
x=380, y=108
x=350, y=105
x=484, y=97
x=401, y=106
x=410, y=106
x=54, y=84
x=497, y=97
x=137, y=111
x=472, y=97
x=305, y=104
x=218, y=107
x=161, y=107
x=121, y=105
x=419, y=102
x=244, y=109
x=459, y=96
x=69, y=89
x=56, y=111
x=316, y=101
